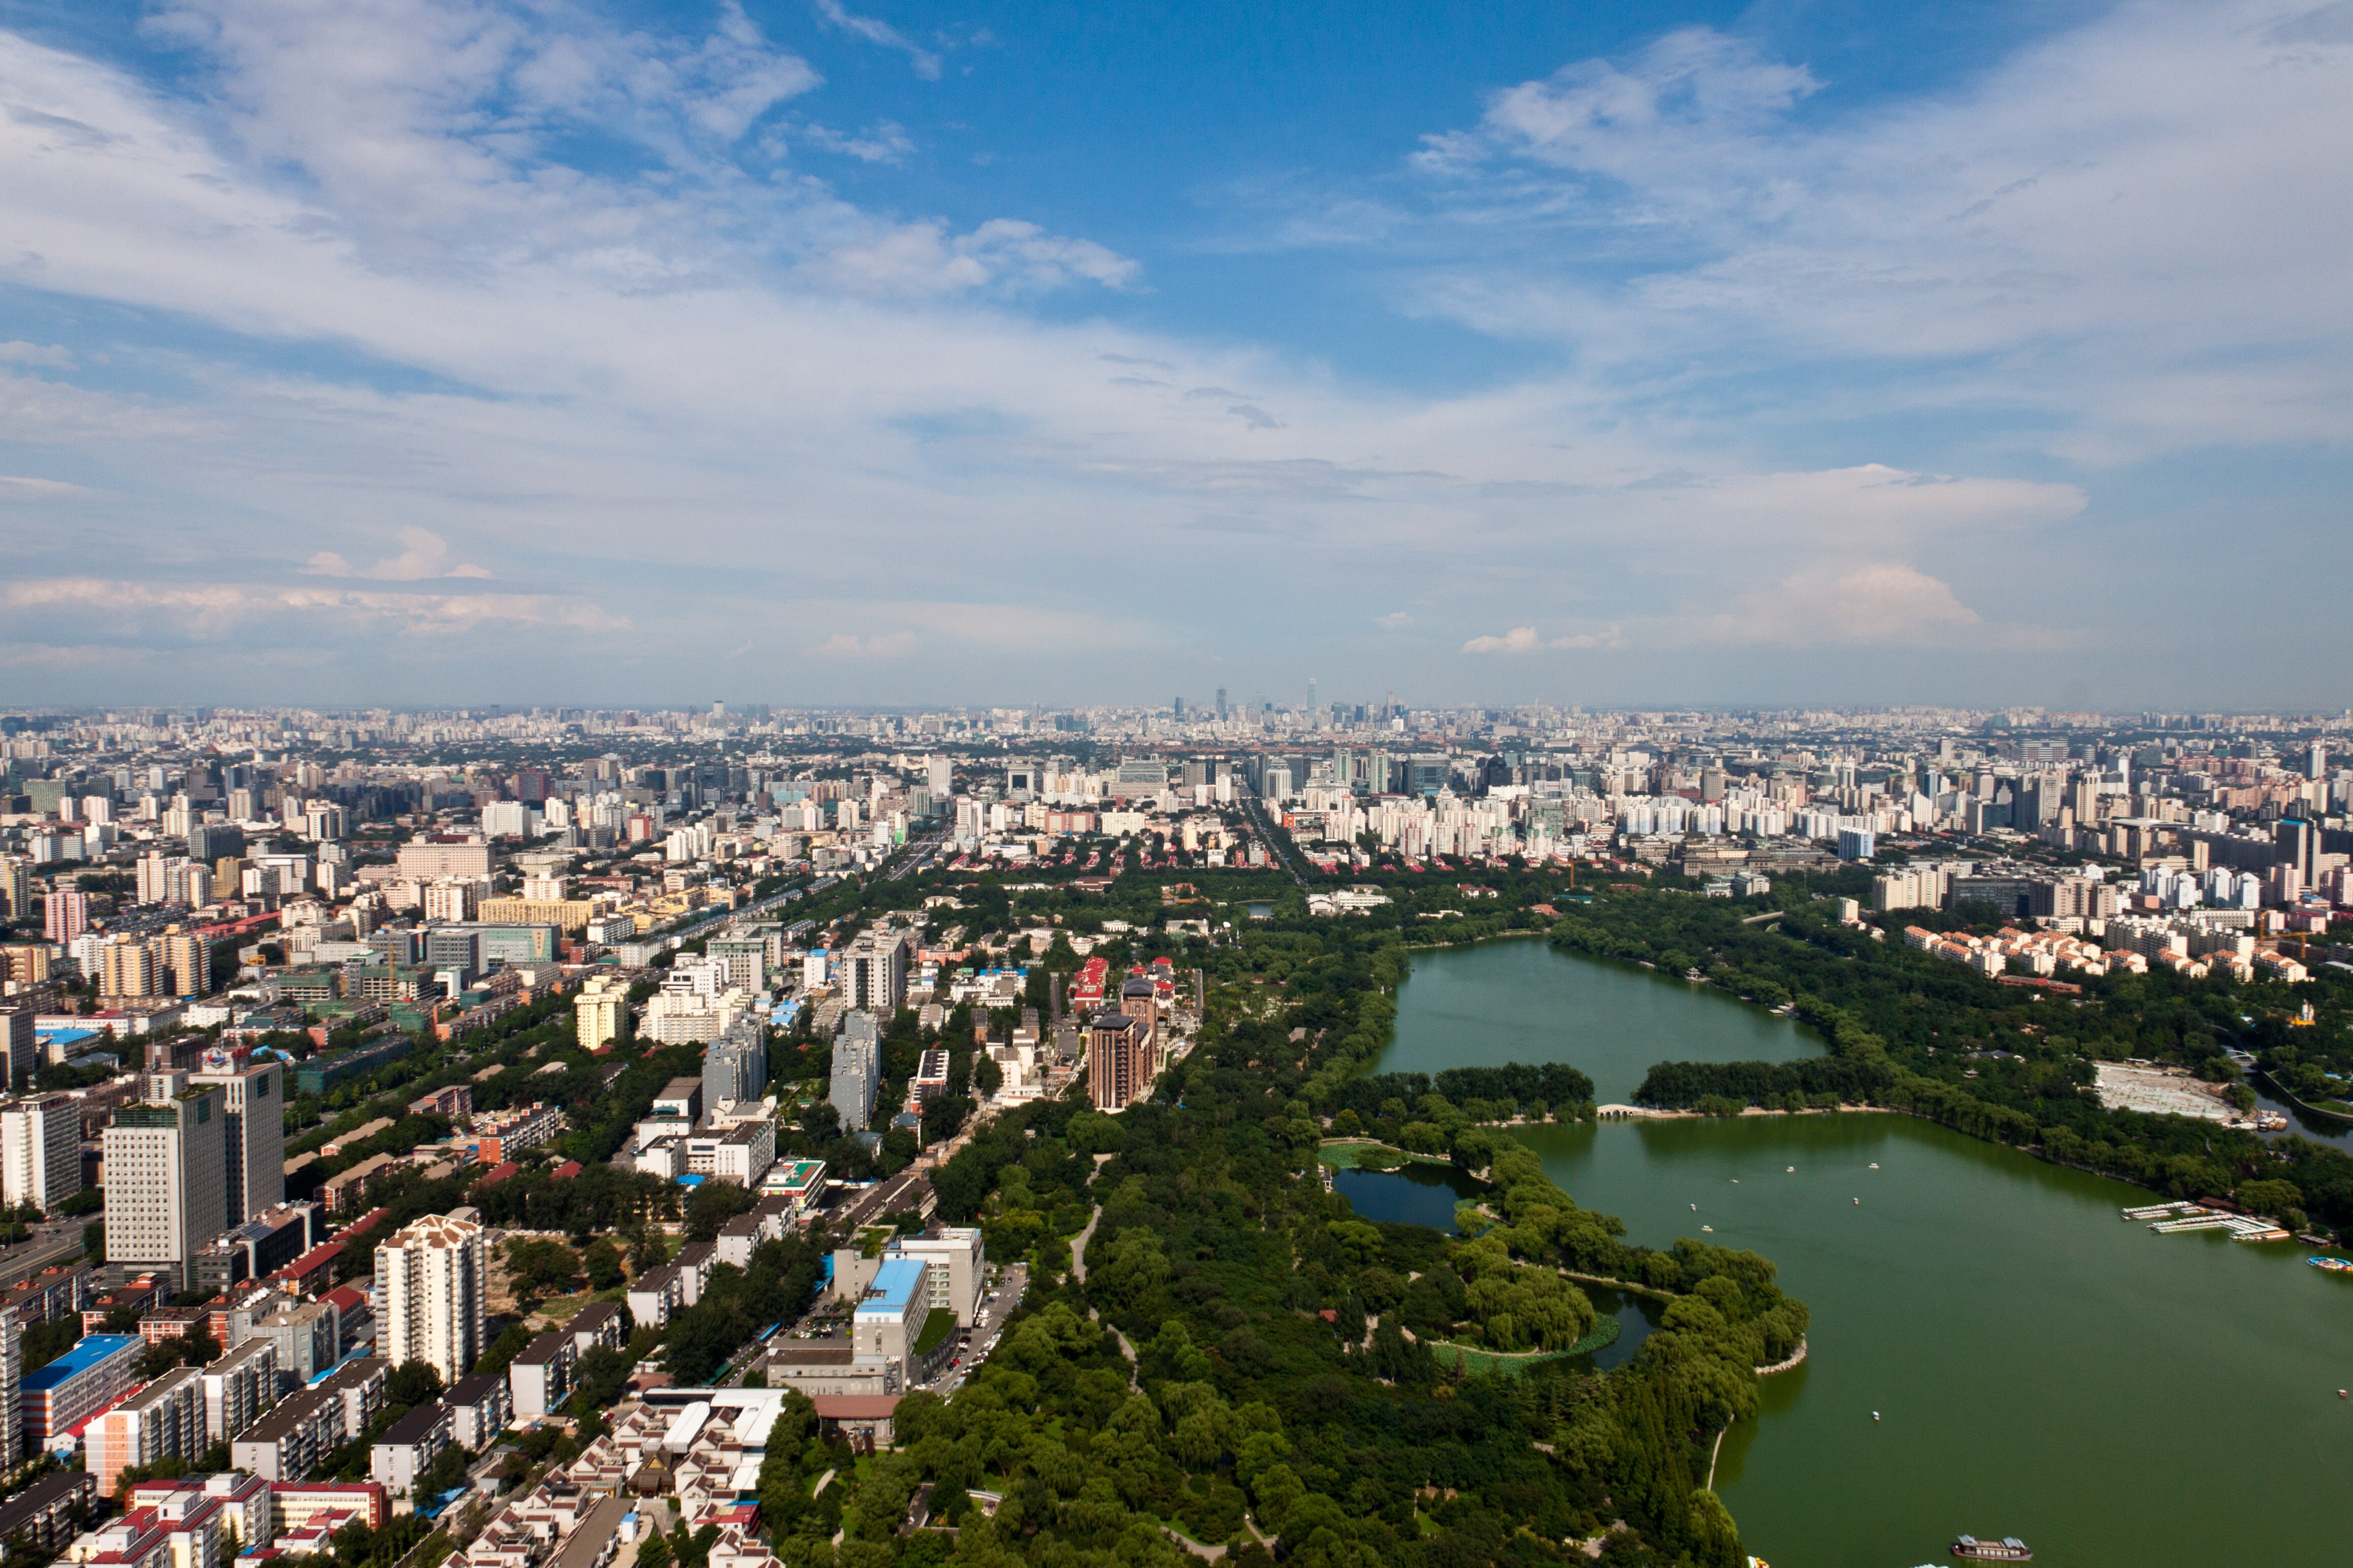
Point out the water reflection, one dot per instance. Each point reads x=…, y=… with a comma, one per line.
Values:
x=1415, y=1195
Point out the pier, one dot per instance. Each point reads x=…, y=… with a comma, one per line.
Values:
x=2192, y=1216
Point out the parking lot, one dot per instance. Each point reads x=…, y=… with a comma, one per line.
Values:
x=997, y=1305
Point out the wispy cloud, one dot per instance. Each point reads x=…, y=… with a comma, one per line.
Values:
x=926, y=63
x=1521, y=640
x=427, y=555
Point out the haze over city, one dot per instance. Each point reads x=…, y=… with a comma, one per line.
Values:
x=414, y=351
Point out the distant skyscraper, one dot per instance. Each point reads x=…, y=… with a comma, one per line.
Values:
x=1314, y=706
x=432, y=1277
x=40, y=1150
x=1221, y=704
x=1180, y=709
x=166, y=1177
x=254, y=1141
x=940, y=773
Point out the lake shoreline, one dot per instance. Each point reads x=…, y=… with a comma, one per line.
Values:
x=1982, y=1295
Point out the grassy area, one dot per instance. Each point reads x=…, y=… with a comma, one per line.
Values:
x=938, y=1327
x=1366, y=1154
x=1604, y=1331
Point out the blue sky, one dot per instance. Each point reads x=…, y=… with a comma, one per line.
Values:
x=801, y=350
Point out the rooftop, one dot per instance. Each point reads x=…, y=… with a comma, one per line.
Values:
x=87, y=1352
x=895, y=1283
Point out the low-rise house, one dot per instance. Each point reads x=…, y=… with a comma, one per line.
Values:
x=359, y=1383
x=286, y=1443
x=694, y=1263
x=479, y=1407
x=597, y=1323
x=295, y=1504
x=45, y=1514
x=655, y=1295
x=401, y=1456
x=541, y=1377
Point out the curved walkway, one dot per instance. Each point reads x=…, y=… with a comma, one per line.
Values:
x=1078, y=1247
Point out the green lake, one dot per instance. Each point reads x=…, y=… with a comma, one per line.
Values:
x=2039, y=1367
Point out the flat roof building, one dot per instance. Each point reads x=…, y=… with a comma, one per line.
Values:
x=79, y=1383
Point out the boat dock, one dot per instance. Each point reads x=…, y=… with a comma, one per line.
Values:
x=2178, y=1217
x=2163, y=1211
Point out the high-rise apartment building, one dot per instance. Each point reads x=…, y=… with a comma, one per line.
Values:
x=856, y=1071
x=253, y=1143
x=451, y=903
x=432, y=1276
x=40, y=1150
x=184, y=963
x=164, y=1420
x=65, y=915
x=166, y=1177
x=874, y=972
x=15, y=886
x=735, y=1066
x=12, y=1391
x=599, y=1010
x=1119, y=1061
x=20, y=1044
x=127, y=967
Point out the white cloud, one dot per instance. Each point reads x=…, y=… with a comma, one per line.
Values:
x=926, y=63
x=1523, y=640
x=427, y=555
x=882, y=645
x=692, y=386
x=886, y=141
x=36, y=353
x=2129, y=234
x=1881, y=603
x=93, y=605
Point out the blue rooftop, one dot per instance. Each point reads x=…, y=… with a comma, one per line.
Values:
x=87, y=1352
x=894, y=1286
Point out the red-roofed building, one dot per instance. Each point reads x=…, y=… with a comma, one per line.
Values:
x=361, y=1226
x=855, y=1415
x=498, y=1172
x=565, y=1171
x=354, y=1319
x=312, y=1272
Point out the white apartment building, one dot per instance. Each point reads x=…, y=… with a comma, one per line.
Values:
x=166, y=1176
x=432, y=1277
x=40, y=1150
x=238, y=1387
x=874, y=972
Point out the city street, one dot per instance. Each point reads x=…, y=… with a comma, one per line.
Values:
x=995, y=1306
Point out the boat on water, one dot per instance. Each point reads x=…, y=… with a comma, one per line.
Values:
x=2334, y=1264
x=2009, y=1549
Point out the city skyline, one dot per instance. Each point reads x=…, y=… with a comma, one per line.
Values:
x=1697, y=355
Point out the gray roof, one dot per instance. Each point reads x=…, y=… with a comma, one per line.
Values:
x=553, y=1345
x=473, y=1389
x=415, y=1427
